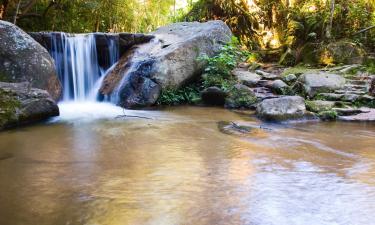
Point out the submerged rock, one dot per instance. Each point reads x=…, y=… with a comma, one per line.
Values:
x=22, y=59
x=315, y=83
x=169, y=61
x=241, y=129
x=284, y=108
x=214, y=96
x=20, y=104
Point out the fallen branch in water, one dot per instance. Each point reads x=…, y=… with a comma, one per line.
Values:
x=141, y=117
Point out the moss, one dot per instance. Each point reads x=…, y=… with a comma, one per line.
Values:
x=239, y=98
x=319, y=106
x=4, y=77
x=298, y=70
x=8, y=108
x=328, y=115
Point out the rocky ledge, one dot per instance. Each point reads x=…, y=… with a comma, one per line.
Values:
x=343, y=93
x=21, y=104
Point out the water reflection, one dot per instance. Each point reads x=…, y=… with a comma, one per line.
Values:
x=179, y=169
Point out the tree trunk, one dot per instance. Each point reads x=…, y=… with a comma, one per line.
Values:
x=16, y=12
x=330, y=24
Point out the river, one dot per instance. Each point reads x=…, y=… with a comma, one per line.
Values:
x=174, y=166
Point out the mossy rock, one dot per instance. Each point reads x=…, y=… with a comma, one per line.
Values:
x=319, y=105
x=328, y=115
x=240, y=96
x=341, y=52
x=9, y=106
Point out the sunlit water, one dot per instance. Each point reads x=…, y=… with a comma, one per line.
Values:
x=175, y=167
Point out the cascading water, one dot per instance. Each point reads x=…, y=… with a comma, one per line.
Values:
x=77, y=64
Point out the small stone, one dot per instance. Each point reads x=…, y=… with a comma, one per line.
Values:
x=290, y=78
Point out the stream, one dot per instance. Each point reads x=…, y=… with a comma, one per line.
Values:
x=174, y=166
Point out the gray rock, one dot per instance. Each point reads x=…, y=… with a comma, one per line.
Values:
x=247, y=78
x=280, y=87
x=284, y=108
x=290, y=78
x=22, y=59
x=315, y=83
x=169, y=61
x=267, y=76
x=213, y=96
x=20, y=104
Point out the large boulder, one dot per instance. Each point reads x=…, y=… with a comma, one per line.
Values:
x=168, y=61
x=315, y=83
x=21, y=104
x=284, y=108
x=22, y=59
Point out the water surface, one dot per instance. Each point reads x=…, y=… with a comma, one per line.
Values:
x=175, y=167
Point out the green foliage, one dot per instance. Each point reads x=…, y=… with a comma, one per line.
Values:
x=79, y=16
x=185, y=95
x=218, y=68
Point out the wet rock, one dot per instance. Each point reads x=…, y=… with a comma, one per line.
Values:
x=21, y=104
x=213, y=96
x=241, y=129
x=350, y=111
x=319, y=105
x=362, y=117
x=247, y=78
x=284, y=108
x=234, y=128
x=22, y=59
x=169, y=61
x=315, y=83
x=266, y=76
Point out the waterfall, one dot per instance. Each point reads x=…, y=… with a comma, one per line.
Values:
x=78, y=63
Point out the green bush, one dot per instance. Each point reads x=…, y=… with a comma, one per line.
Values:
x=218, y=69
x=186, y=95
